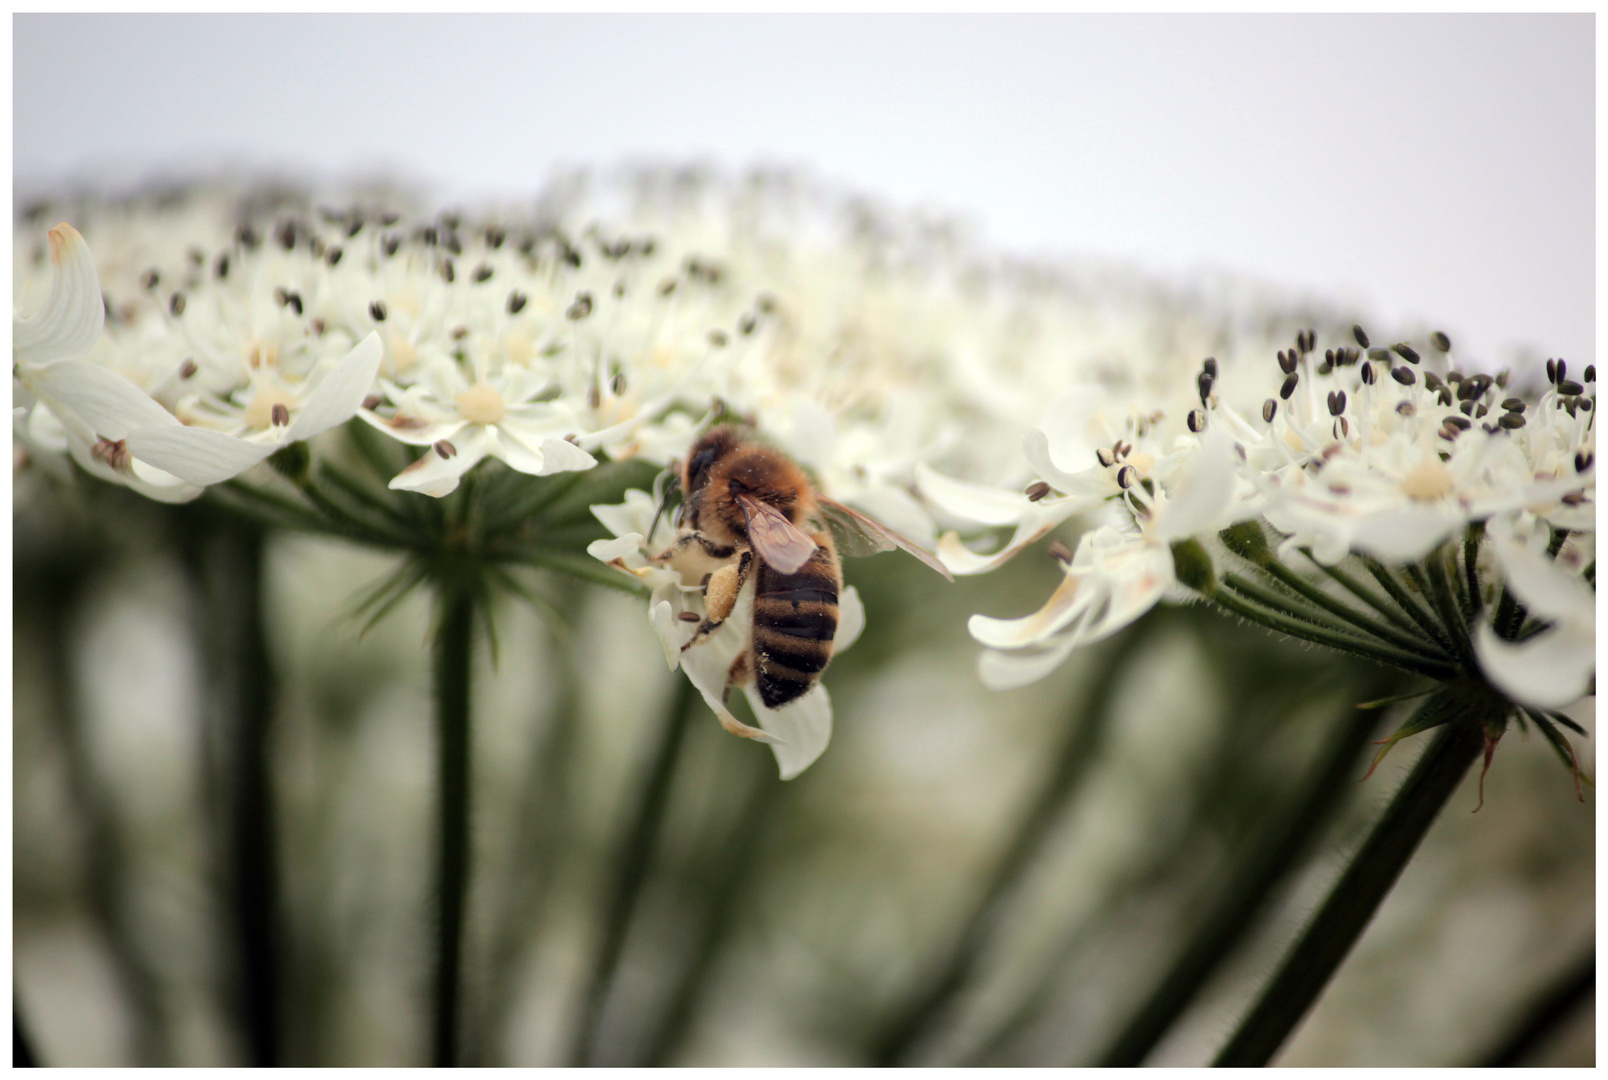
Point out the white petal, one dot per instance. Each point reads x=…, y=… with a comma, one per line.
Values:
x=618, y=548
x=1068, y=428
x=801, y=728
x=341, y=391
x=708, y=663
x=423, y=435
x=438, y=476
x=1204, y=493
x=663, y=621
x=1548, y=590
x=1093, y=478
x=1007, y=671
x=196, y=454
x=1404, y=534
x=106, y=401
x=851, y=620
x=634, y=515
x=1038, y=520
x=561, y=456
x=1551, y=670
x=1070, y=599
x=74, y=313
x=974, y=502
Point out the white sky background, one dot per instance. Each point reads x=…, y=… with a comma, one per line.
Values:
x=1427, y=169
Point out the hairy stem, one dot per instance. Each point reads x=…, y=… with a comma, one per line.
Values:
x=1351, y=904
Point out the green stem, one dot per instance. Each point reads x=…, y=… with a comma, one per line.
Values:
x=1290, y=579
x=1085, y=733
x=454, y=652
x=1249, y=889
x=1438, y=585
x=1558, y=1001
x=1367, y=596
x=1412, y=607
x=1356, y=896
x=1471, y=576
x=631, y=867
x=1310, y=632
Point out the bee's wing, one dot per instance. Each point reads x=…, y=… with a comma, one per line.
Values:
x=782, y=545
x=859, y=535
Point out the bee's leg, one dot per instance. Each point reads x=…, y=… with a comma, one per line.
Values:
x=686, y=540
x=720, y=596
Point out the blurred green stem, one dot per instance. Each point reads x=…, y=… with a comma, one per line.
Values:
x=1085, y=732
x=453, y=655
x=631, y=867
x=1351, y=904
x=1557, y=1002
x=1249, y=886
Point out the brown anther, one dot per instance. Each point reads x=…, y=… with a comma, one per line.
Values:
x=279, y=415
x=1037, y=490
x=1060, y=552
x=188, y=369
x=372, y=402
x=113, y=453
x=445, y=449
x=690, y=616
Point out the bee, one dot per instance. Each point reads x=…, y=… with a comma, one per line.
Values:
x=749, y=509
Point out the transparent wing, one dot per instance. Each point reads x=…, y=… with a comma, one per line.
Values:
x=782, y=545
x=859, y=535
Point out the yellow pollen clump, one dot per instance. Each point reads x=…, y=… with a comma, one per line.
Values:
x=481, y=404
x=263, y=354
x=1428, y=480
x=260, y=410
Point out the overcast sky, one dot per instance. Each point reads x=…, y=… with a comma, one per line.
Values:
x=1424, y=168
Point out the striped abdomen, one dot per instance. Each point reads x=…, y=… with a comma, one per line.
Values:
x=795, y=618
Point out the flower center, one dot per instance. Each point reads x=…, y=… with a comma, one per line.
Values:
x=481, y=404
x=260, y=409
x=1428, y=480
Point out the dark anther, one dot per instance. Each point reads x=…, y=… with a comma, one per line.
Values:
x=453, y=244
x=1563, y=369
x=1368, y=374
x=221, y=267
x=390, y=245
x=150, y=279
x=1591, y=373
x=318, y=327
x=1127, y=477
x=495, y=237
x=1583, y=460
x=1196, y=421
x=333, y=256
x=1440, y=341
x=445, y=449
x=188, y=369
x=1288, y=362
x=1381, y=355
x=1288, y=388
x=1403, y=375
x=280, y=294
x=1444, y=396
x=1105, y=457
x=1341, y=428
x=1406, y=408
x=1326, y=367
x=1570, y=387
x=286, y=234
x=279, y=415
x=581, y=308
x=746, y=324
x=1037, y=490
x=1466, y=408
x=1406, y=352
x=482, y=273
x=617, y=384
x=448, y=273
x=1270, y=409
x=1060, y=552
x=1361, y=336
x=1481, y=410
x=516, y=302
x=1513, y=404
x=1512, y=421
x=372, y=402
x=294, y=302
x=355, y=227
x=176, y=304
x=1460, y=422
x=1204, y=383
x=247, y=237
x=1432, y=380
x=377, y=310
x=667, y=286
x=459, y=332
x=718, y=338
x=1210, y=366
x=1328, y=356
x=1454, y=376
x=430, y=236
x=1552, y=371
x=1337, y=402
x=690, y=616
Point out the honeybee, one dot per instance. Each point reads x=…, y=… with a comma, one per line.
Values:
x=750, y=509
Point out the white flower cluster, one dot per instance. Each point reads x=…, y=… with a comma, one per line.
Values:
x=1361, y=455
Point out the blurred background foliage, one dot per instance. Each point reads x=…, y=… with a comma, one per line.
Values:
x=1101, y=866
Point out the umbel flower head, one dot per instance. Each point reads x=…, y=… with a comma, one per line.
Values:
x=188, y=337
x=1378, y=501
